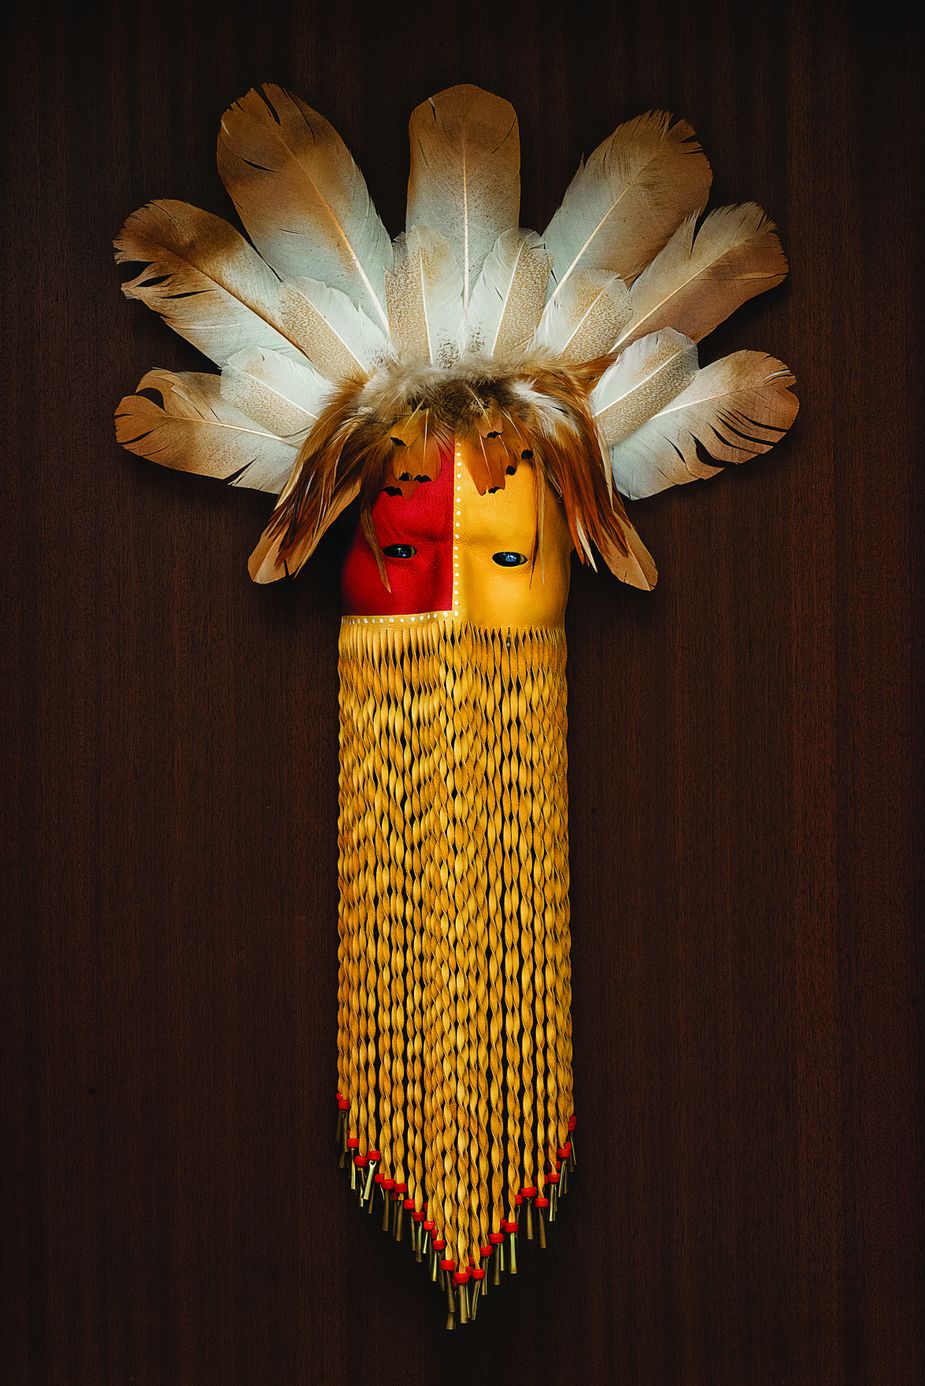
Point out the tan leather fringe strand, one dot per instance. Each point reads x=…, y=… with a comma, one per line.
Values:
x=454, y=1027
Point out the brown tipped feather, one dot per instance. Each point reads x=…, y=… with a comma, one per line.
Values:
x=333, y=467
x=418, y=442
x=569, y=452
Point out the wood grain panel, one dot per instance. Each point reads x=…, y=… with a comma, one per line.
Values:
x=742, y=744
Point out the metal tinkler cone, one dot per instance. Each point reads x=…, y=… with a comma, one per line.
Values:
x=509, y=1228
x=418, y=1234
x=399, y=1202
x=343, y=1106
x=496, y=1239
x=565, y=1154
x=541, y=1204
x=353, y=1145
x=374, y=1157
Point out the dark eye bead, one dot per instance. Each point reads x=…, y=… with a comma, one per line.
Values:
x=399, y=551
x=508, y=559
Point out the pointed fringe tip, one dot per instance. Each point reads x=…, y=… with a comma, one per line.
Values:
x=462, y=1287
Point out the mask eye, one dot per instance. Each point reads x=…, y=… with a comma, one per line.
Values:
x=399, y=551
x=508, y=559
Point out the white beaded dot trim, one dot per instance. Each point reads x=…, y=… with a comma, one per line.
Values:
x=457, y=507
x=395, y=620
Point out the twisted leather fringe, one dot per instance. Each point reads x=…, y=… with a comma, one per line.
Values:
x=454, y=1027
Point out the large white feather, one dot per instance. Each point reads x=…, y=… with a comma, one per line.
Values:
x=277, y=393
x=195, y=430
x=337, y=337
x=465, y=173
x=507, y=301
x=425, y=298
x=732, y=410
x=302, y=198
x=641, y=381
x=203, y=278
x=697, y=281
x=582, y=320
x=624, y=203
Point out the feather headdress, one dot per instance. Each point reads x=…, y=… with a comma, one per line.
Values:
x=483, y=397
x=348, y=361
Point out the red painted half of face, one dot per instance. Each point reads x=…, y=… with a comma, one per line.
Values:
x=421, y=581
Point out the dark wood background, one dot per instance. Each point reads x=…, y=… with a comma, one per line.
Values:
x=748, y=1063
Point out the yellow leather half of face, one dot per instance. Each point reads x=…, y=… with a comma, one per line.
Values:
x=493, y=593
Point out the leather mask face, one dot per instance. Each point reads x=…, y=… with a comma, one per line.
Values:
x=499, y=559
